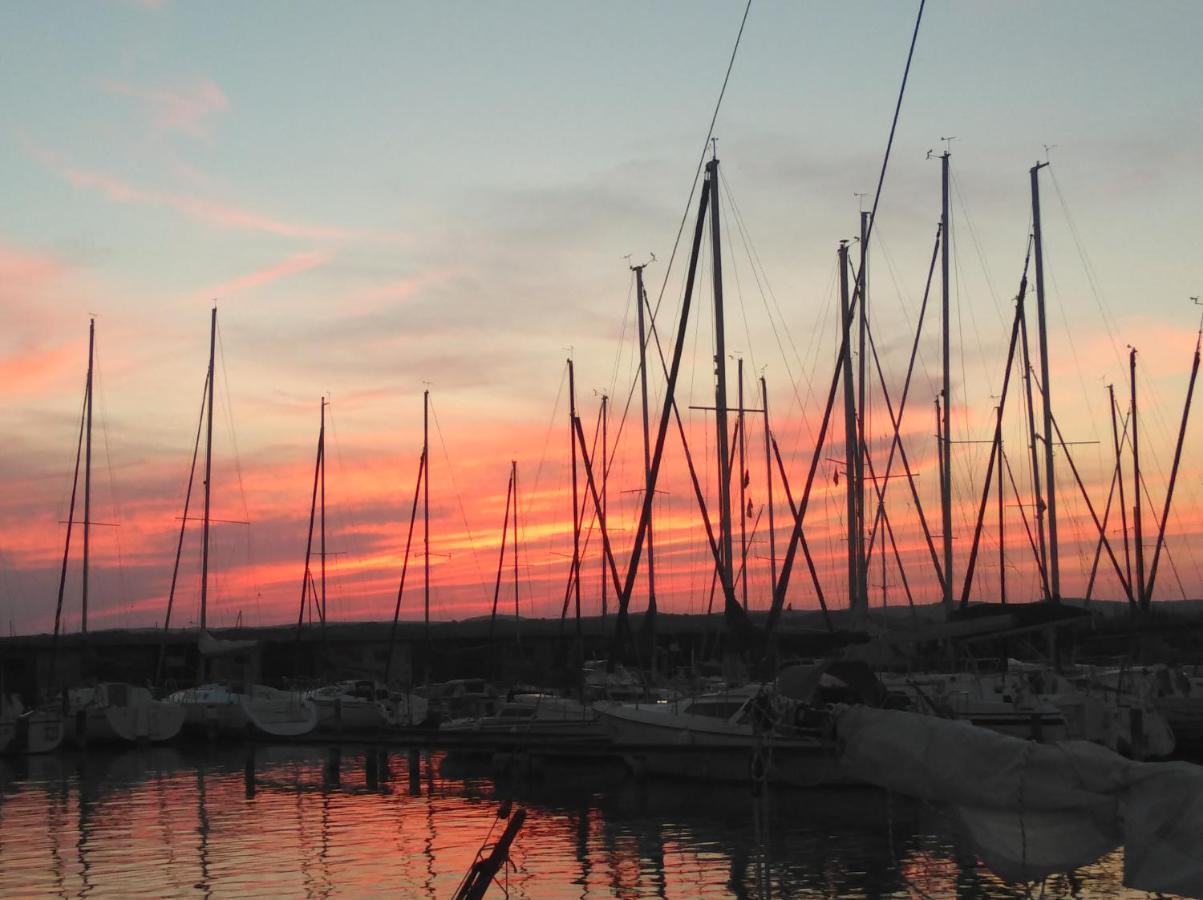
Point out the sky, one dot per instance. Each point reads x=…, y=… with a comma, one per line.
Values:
x=389, y=198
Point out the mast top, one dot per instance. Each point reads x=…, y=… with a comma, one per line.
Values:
x=639, y=267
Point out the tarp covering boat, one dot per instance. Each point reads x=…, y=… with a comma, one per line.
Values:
x=1035, y=809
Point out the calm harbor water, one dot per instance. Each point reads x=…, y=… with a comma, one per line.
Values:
x=294, y=821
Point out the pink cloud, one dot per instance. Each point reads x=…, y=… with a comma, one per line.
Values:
x=293, y=265
x=188, y=109
x=29, y=368
x=209, y=212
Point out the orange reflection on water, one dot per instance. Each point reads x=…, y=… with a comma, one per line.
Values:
x=297, y=822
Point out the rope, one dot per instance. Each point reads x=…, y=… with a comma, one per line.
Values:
x=460, y=503
x=227, y=406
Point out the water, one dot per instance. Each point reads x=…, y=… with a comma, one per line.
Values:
x=297, y=822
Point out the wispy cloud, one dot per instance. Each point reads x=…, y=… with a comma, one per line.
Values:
x=293, y=265
x=188, y=109
x=209, y=212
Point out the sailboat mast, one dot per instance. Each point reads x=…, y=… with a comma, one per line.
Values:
x=862, y=312
x=768, y=474
x=743, y=495
x=850, y=448
x=1002, y=542
x=1054, y=566
x=605, y=415
x=720, y=384
x=946, y=388
x=88, y=475
x=640, y=302
x=321, y=444
x=426, y=511
x=517, y=609
x=1123, y=507
x=1038, y=497
x=1137, y=522
x=204, y=597
x=576, y=503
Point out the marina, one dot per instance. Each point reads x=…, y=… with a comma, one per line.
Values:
x=738, y=624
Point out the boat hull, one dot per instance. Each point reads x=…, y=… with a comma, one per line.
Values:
x=655, y=741
x=41, y=731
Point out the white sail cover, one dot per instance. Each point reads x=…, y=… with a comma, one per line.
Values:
x=1035, y=809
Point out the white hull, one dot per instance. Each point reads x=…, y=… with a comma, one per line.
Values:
x=119, y=713
x=657, y=740
x=43, y=730
x=216, y=711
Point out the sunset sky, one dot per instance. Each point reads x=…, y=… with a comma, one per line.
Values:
x=384, y=197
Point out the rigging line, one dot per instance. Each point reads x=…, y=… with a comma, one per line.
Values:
x=1023, y=517
x=122, y=583
x=765, y=289
x=345, y=511
x=739, y=291
x=460, y=502
x=792, y=431
x=760, y=273
x=1148, y=499
x=555, y=413
x=977, y=246
x=702, y=156
x=967, y=466
x=796, y=529
x=62, y=584
x=1091, y=277
x=622, y=334
x=1073, y=349
x=228, y=407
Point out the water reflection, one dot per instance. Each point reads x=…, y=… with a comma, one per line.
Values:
x=319, y=822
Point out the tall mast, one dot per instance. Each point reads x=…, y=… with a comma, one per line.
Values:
x=204, y=597
x=1054, y=567
x=321, y=449
x=743, y=496
x=517, y=609
x=1035, y=456
x=946, y=389
x=640, y=302
x=768, y=467
x=1119, y=477
x=88, y=474
x=576, y=504
x=605, y=464
x=850, y=448
x=1137, y=532
x=426, y=512
x=1002, y=543
x=862, y=311
x=720, y=384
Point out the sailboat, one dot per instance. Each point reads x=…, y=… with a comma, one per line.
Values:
x=217, y=709
x=107, y=712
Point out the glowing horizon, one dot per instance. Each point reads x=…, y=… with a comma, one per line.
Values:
x=464, y=224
